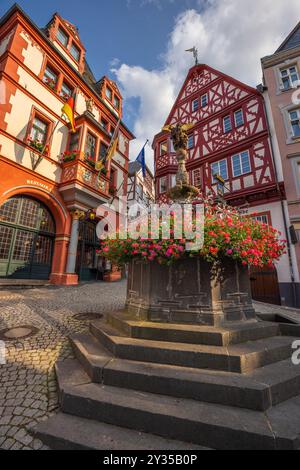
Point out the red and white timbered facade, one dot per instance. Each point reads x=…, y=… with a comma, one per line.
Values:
x=230, y=137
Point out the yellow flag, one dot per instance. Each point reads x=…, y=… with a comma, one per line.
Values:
x=112, y=149
x=99, y=165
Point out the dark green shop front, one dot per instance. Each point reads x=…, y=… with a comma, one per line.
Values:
x=27, y=234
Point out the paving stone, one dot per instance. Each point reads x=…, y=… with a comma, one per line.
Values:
x=28, y=391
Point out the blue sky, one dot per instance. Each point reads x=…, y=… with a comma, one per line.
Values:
x=141, y=44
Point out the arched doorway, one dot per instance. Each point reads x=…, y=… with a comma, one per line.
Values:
x=27, y=233
x=264, y=285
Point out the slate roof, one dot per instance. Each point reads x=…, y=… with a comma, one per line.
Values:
x=291, y=41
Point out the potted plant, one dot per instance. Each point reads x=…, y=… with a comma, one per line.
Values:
x=38, y=145
x=50, y=83
x=90, y=161
x=69, y=156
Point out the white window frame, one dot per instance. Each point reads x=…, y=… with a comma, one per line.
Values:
x=289, y=76
x=263, y=218
x=161, y=179
x=202, y=99
x=224, y=119
x=195, y=105
x=219, y=173
x=293, y=120
x=241, y=164
x=235, y=119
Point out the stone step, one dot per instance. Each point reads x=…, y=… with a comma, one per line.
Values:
x=240, y=358
x=204, y=424
x=258, y=390
x=67, y=432
x=194, y=334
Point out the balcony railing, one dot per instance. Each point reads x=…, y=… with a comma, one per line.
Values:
x=76, y=167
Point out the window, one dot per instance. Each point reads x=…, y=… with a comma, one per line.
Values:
x=227, y=126
x=102, y=151
x=66, y=91
x=295, y=122
x=239, y=118
x=204, y=100
x=112, y=131
x=219, y=168
x=116, y=102
x=163, y=148
x=104, y=124
x=289, y=76
x=241, y=164
x=163, y=184
x=108, y=93
x=74, y=142
x=75, y=52
x=140, y=191
x=190, y=144
x=172, y=150
x=39, y=131
x=62, y=37
x=197, y=178
x=173, y=181
x=50, y=77
x=90, y=146
x=195, y=105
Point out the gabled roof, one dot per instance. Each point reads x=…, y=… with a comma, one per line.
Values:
x=203, y=67
x=291, y=41
x=134, y=167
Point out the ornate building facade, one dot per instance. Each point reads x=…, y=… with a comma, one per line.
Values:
x=230, y=138
x=281, y=88
x=49, y=186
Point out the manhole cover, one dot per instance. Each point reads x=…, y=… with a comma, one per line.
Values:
x=88, y=316
x=18, y=332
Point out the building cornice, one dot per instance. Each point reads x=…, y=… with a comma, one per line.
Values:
x=279, y=57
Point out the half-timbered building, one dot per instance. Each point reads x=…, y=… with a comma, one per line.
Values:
x=230, y=138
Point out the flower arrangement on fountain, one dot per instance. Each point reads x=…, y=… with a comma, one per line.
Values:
x=227, y=233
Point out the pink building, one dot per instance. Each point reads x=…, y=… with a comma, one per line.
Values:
x=281, y=75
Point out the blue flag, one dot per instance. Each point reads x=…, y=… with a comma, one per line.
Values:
x=141, y=159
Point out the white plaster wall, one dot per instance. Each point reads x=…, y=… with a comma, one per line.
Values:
x=18, y=119
x=33, y=55
x=17, y=153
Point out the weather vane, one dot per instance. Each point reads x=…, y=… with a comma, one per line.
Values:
x=194, y=50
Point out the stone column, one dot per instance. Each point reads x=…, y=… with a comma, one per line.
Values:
x=72, y=252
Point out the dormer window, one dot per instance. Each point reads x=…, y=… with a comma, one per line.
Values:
x=75, y=52
x=108, y=93
x=116, y=102
x=62, y=37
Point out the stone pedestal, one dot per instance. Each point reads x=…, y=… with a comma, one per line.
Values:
x=190, y=291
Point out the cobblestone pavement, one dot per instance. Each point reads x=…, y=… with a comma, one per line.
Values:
x=27, y=381
x=28, y=391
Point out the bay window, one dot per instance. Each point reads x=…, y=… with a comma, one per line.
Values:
x=90, y=146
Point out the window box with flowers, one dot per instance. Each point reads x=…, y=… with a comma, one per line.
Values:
x=38, y=145
x=69, y=156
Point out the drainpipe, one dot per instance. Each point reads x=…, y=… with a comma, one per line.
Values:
x=284, y=208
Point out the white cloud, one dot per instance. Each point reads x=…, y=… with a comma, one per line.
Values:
x=230, y=35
